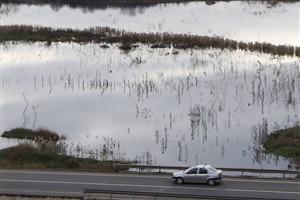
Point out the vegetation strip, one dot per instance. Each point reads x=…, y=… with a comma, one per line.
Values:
x=39, y=134
x=284, y=143
x=46, y=151
x=127, y=39
x=28, y=156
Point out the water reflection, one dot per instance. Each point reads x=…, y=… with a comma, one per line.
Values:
x=132, y=7
x=8, y=9
x=132, y=11
x=158, y=107
x=255, y=21
x=87, y=6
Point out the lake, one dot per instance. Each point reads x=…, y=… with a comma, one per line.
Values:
x=156, y=106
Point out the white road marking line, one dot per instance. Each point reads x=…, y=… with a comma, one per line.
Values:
x=262, y=191
x=108, y=184
x=262, y=181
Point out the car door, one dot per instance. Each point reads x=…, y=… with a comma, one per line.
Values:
x=202, y=175
x=191, y=175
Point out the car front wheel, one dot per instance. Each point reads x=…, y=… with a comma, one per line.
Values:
x=179, y=180
x=211, y=182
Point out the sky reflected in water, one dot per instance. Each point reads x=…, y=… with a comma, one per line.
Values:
x=160, y=106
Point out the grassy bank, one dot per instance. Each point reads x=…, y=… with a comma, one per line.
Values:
x=26, y=156
x=284, y=143
x=125, y=38
x=46, y=152
x=39, y=134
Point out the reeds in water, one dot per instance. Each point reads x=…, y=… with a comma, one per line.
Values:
x=127, y=39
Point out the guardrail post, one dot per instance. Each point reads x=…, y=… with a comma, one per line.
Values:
x=283, y=175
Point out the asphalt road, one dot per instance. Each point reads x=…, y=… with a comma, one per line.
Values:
x=73, y=184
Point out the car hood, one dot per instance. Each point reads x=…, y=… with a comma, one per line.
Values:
x=178, y=173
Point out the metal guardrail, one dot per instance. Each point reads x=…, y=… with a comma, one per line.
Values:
x=122, y=167
x=115, y=194
x=12, y=195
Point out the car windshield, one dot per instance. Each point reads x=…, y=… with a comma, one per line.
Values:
x=212, y=169
x=185, y=171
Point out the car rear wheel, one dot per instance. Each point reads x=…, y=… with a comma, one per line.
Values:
x=179, y=180
x=211, y=182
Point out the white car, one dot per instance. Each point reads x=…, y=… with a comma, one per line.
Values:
x=199, y=174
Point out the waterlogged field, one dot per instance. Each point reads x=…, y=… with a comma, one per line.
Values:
x=157, y=106
x=255, y=21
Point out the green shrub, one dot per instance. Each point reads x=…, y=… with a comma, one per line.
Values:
x=37, y=135
x=284, y=143
x=71, y=163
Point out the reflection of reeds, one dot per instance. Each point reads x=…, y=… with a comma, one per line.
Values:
x=90, y=5
x=259, y=134
x=156, y=40
x=125, y=47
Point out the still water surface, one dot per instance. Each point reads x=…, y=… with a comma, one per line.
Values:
x=252, y=21
x=160, y=106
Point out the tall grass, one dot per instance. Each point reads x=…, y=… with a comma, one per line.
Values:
x=156, y=40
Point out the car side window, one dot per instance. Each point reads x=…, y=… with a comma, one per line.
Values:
x=202, y=171
x=192, y=171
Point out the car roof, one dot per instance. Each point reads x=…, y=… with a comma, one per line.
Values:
x=202, y=166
